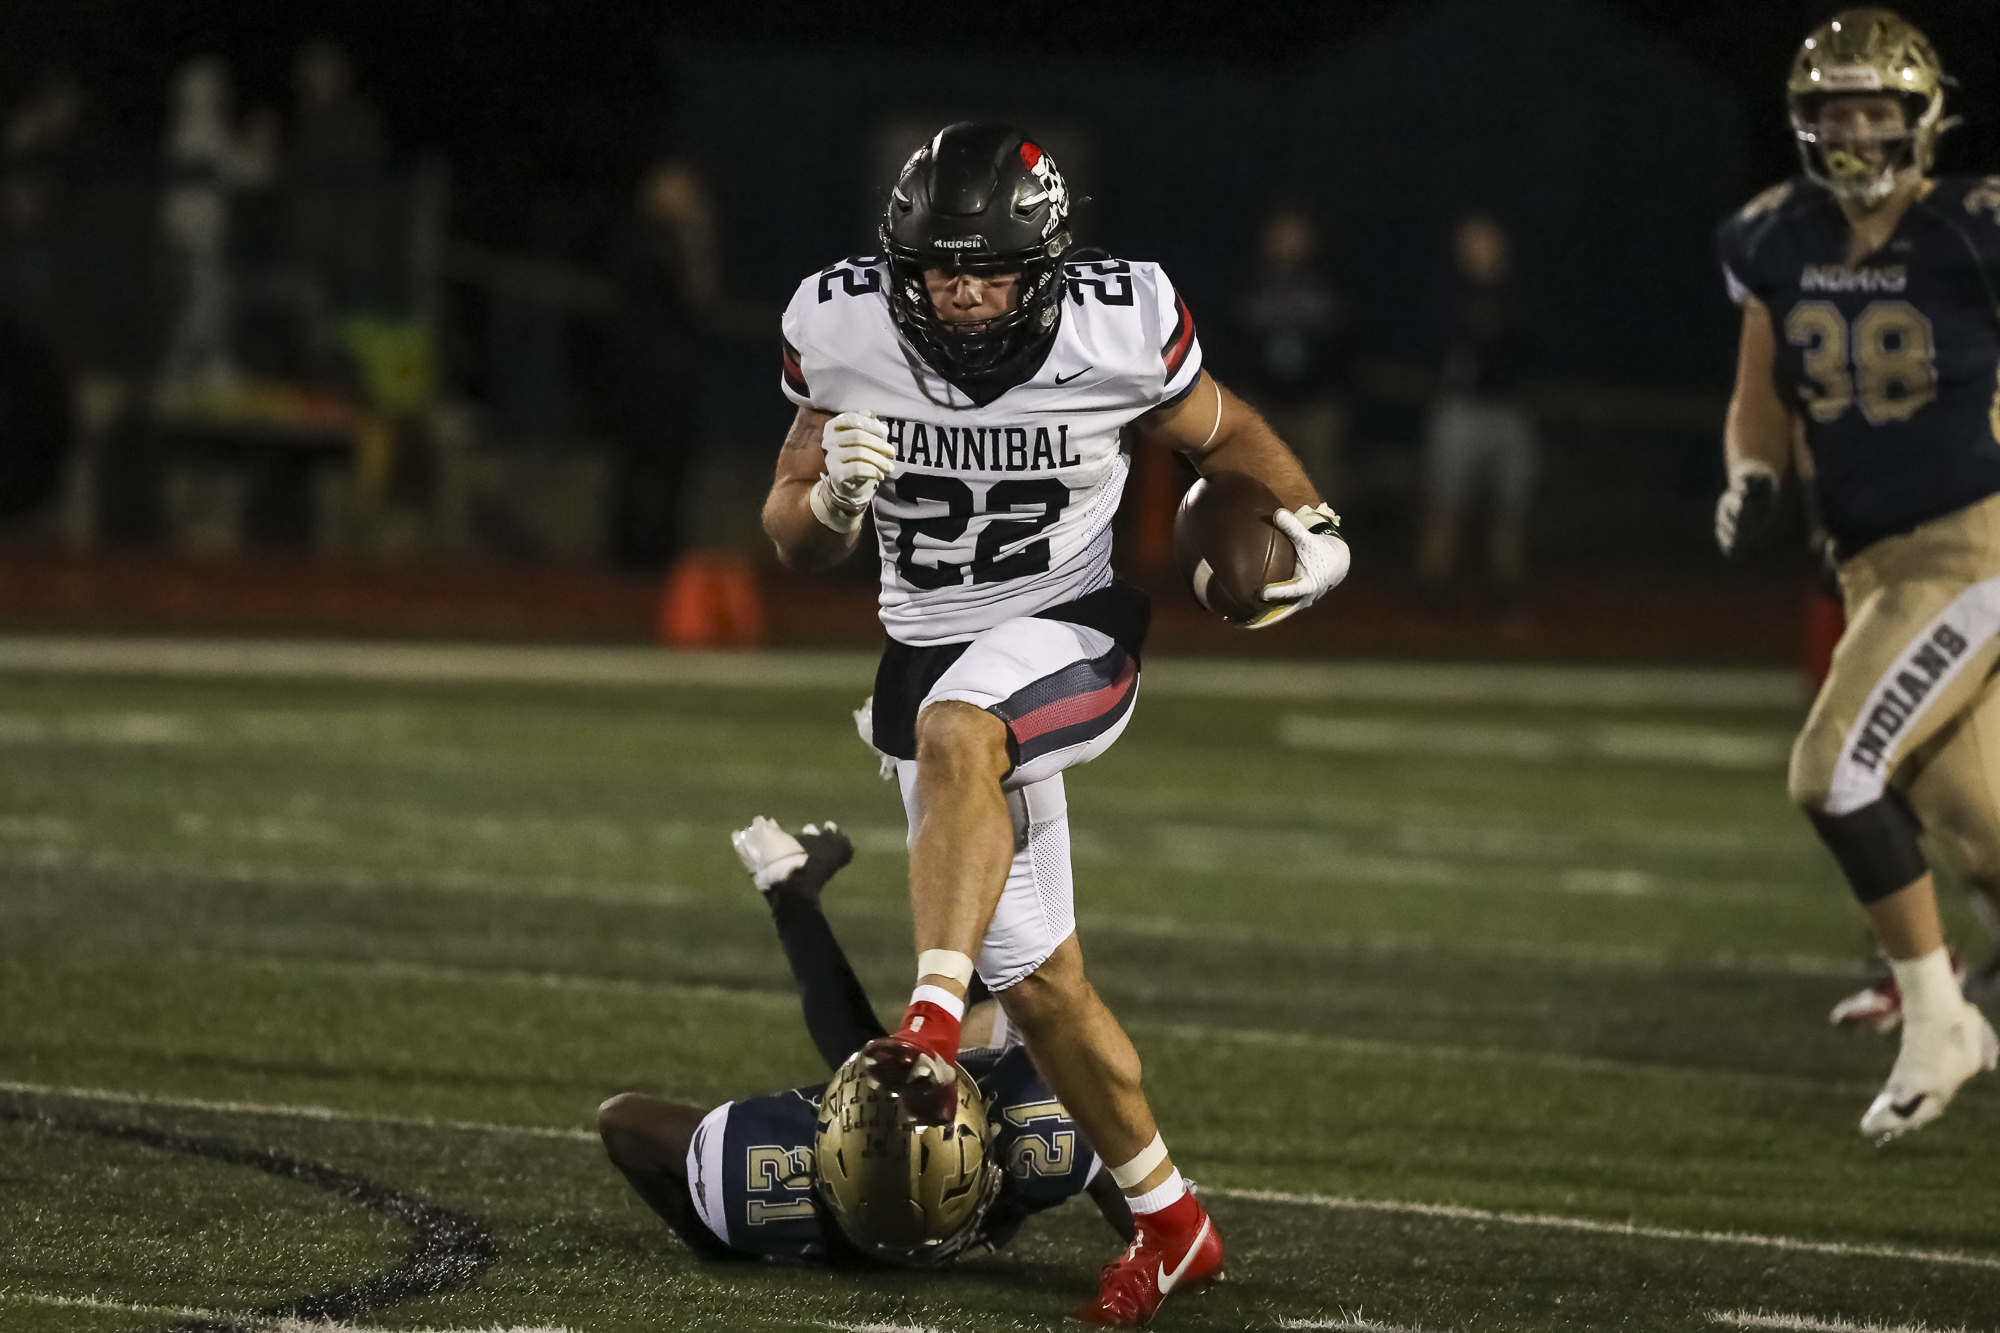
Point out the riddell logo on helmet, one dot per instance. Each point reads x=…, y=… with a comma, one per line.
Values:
x=1849, y=78
x=961, y=243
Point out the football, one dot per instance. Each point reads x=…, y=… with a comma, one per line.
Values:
x=1226, y=546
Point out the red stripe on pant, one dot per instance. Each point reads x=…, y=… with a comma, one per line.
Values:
x=1077, y=708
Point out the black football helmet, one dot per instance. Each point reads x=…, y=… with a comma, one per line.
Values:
x=987, y=199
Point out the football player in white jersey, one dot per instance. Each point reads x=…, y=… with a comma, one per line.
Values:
x=971, y=389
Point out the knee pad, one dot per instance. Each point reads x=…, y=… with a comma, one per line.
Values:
x=1876, y=845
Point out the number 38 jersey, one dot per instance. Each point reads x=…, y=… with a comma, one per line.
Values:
x=1891, y=361
x=998, y=511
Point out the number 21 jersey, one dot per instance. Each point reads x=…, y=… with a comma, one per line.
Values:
x=1889, y=361
x=1004, y=510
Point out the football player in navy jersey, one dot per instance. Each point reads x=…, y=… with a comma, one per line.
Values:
x=801, y=1174
x=969, y=388
x=1871, y=331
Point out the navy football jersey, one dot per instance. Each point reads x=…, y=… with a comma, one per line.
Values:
x=1891, y=361
x=754, y=1187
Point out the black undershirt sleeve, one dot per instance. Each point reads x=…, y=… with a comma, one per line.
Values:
x=838, y=1015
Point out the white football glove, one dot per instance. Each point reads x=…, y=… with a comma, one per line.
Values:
x=1322, y=560
x=858, y=459
x=885, y=763
x=1748, y=510
x=767, y=851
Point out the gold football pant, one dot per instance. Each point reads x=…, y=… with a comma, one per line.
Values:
x=1905, y=733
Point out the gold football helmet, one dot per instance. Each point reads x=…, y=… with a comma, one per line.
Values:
x=1867, y=52
x=903, y=1192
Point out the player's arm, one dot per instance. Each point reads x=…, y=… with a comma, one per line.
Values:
x=791, y=872
x=1219, y=432
x=1110, y=1201
x=647, y=1140
x=828, y=470
x=1757, y=438
x=803, y=541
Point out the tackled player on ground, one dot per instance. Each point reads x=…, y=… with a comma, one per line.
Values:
x=834, y=1172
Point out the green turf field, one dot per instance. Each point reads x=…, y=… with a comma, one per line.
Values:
x=1465, y=1015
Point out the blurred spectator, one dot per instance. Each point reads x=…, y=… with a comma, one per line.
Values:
x=1298, y=362
x=669, y=289
x=280, y=326
x=46, y=165
x=34, y=423
x=200, y=158
x=337, y=186
x=1481, y=437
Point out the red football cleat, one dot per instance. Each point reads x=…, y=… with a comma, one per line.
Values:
x=1132, y=1287
x=917, y=1064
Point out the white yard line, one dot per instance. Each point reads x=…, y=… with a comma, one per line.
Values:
x=1387, y=682
x=1443, y=1212
x=56, y=856
x=781, y=1001
x=1354, y=1323
x=1203, y=1034
x=247, y=1321
x=121, y=1307
x=1696, y=747
x=1801, y=1323
x=1461, y=1213
x=292, y=1112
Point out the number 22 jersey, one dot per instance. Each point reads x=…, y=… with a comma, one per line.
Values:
x=1004, y=510
x=1890, y=361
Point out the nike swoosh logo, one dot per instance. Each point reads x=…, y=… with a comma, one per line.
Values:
x=1908, y=1108
x=1065, y=379
x=1168, y=1281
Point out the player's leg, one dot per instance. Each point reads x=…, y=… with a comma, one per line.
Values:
x=1515, y=464
x=1956, y=795
x=1449, y=464
x=648, y=1139
x=1026, y=699
x=791, y=872
x=1032, y=960
x=1915, y=655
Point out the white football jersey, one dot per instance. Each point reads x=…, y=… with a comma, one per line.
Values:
x=998, y=511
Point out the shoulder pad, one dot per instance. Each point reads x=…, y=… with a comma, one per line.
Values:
x=1984, y=197
x=1766, y=201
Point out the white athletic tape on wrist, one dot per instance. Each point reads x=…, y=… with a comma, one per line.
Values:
x=942, y=998
x=830, y=512
x=1136, y=1170
x=945, y=963
x=1163, y=1195
x=1744, y=468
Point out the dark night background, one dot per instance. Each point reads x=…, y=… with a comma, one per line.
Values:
x=1610, y=136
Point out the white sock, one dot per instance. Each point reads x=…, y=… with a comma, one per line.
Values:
x=1929, y=989
x=942, y=998
x=1163, y=1195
